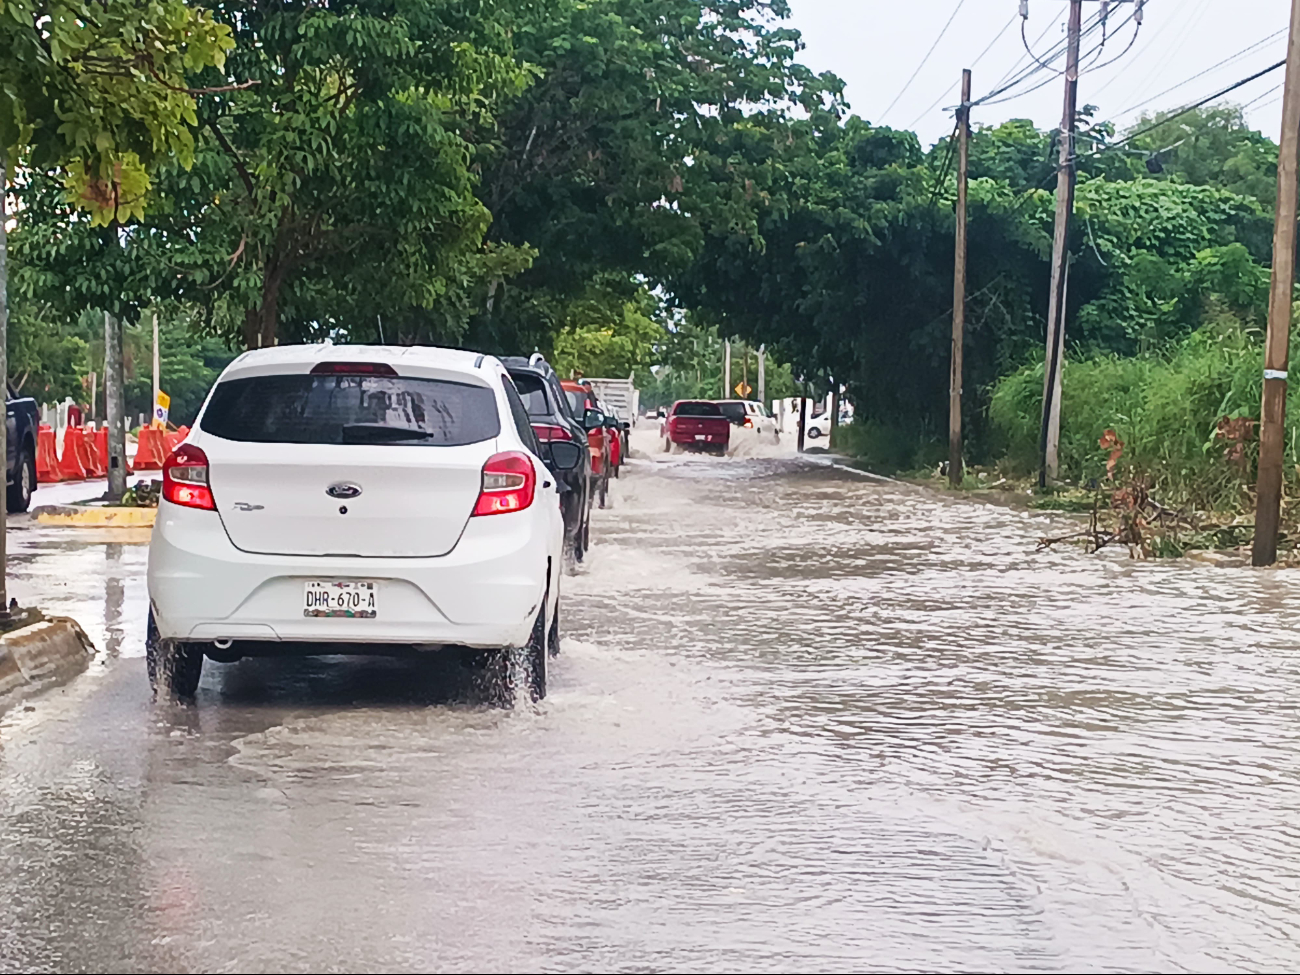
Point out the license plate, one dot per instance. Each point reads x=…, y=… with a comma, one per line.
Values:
x=701, y=436
x=353, y=600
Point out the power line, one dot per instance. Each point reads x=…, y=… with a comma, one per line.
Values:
x=1260, y=97
x=1057, y=51
x=924, y=60
x=1190, y=108
x=975, y=63
x=1201, y=74
x=990, y=99
x=1137, y=30
x=1152, y=37
x=1188, y=24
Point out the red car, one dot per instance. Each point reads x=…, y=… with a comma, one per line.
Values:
x=696, y=425
x=581, y=399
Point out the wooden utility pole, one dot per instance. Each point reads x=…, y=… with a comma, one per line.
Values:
x=1268, y=510
x=114, y=408
x=1050, y=438
x=959, y=287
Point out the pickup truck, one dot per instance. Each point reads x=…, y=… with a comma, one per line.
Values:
x=696, y=425
x=23, y=420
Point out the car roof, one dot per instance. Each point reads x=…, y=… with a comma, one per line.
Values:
x=407, y=359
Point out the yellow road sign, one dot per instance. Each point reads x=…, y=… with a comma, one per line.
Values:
x=743, y=390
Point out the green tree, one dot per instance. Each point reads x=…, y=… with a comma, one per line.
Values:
x=338, y=187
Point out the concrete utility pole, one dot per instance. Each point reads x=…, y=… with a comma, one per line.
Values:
x=803, y=412
x=726, y=368
x=1050, y=438
x=959, y=287
x=835, y=413
x=4, y=379
x=156, y=388
x=762, y=374
x=114, y=408
x=1272, y=431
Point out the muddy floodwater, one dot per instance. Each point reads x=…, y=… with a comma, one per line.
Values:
x=804, y=720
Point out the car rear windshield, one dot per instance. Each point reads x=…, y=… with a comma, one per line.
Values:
x=697, y=409
x=307, y=409
x=532, y=390
x=577, y=401
x=735, y=412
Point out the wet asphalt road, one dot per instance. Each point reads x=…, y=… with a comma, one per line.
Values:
x=803, y=721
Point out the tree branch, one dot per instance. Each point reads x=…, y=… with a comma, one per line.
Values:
x=240, y=168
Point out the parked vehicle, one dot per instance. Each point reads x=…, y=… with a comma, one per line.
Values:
x=22, y=422
x=696, y=425
x=357, y=500
x=553, y=421
x=582, y=401
x=820, y=425
x=617, y=431
x=751, y=415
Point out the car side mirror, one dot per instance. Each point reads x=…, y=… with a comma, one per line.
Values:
x=593, y=419
x=563, y=455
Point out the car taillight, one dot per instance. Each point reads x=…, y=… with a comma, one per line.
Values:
x=185, y=478
x=546, y=432
x=749, y=423
x=509, y=482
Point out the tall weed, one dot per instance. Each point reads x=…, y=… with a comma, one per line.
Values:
x=1165, y=408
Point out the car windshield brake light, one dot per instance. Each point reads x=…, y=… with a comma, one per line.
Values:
x=353, y=369
x=185, y=479
x=547, y=432
x=509, y=482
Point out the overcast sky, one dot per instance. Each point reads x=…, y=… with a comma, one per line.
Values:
x=876, y=45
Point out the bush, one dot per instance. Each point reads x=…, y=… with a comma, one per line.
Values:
x=1165, y=409
x=890, y=448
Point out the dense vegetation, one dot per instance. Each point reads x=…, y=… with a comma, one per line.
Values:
x=622, y=182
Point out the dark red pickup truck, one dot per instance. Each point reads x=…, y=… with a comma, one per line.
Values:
x=696, y=425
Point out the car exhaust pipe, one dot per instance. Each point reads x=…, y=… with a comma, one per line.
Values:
x=223, y=644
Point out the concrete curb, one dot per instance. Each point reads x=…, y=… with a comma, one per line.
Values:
x=94, y=516
x=50, y=652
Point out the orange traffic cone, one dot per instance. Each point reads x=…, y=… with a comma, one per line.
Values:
x=47, y=458
x=70, y=465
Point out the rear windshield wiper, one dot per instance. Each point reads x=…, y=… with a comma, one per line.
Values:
x=382, y=433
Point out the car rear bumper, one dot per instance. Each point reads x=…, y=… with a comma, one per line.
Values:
x=694, y=439
x=483, y=594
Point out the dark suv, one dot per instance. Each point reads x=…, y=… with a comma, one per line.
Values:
x=23, y=421
x=552, y=419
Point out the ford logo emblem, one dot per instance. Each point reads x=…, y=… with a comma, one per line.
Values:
x=343, y=490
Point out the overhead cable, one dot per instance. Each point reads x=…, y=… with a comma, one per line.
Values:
x=1201, y=74
x=924, y=60
x=975, y=63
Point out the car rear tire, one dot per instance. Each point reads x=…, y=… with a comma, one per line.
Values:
x=604, y=489
x=175, y=666
x=535, y=658
x=520, y=669
x=553, y=637
x=19, y=493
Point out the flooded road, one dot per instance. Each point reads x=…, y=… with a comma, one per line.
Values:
x=803, y=720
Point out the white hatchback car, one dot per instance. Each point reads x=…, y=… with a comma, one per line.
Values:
x=357, y=499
